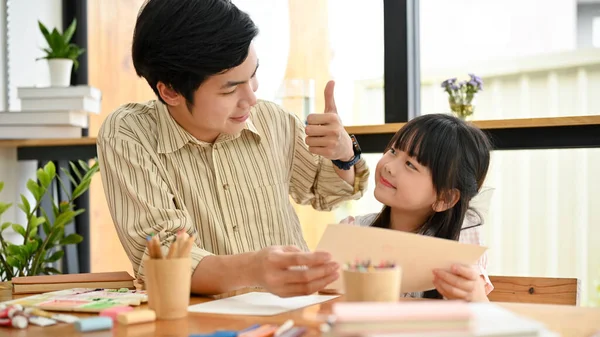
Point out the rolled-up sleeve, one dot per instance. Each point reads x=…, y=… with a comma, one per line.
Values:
x=140, y=202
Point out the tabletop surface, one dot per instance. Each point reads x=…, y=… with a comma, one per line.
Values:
x=569, y=321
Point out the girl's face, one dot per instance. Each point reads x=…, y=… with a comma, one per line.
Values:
x=403, y=184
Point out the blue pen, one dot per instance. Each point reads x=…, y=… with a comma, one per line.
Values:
x=217, y=334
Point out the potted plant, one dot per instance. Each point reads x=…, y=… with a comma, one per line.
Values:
x=61, y=54
x=37, y=253
x=461, y=96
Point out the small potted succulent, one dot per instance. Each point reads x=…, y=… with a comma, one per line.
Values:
x=61, y=54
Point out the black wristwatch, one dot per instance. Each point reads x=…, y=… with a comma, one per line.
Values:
x=346, y=165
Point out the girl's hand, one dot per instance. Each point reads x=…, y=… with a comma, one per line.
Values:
x=461, y=282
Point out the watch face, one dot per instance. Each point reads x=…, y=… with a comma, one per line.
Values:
x=355, y=144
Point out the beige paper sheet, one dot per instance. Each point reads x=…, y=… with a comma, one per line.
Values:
x=417, y=254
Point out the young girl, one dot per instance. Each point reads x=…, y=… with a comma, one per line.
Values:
x=429, y=173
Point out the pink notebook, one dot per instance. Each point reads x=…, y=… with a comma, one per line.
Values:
x=404, y=311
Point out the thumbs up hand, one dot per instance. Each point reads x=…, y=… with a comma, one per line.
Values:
x=325, y=134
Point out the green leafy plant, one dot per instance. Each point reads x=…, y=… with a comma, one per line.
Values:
x=59, y=45
x=36, y=255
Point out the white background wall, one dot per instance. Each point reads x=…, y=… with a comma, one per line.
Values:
x=23, y=45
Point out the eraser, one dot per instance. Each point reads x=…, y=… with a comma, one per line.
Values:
x=136, y=316
x=114, y=311
x=65, y=318
x=41, y=321
x=94, y=324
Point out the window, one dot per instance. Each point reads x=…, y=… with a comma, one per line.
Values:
x=303, y=44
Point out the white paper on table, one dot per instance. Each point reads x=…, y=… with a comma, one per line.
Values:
x=488, y=320
x=258, y=304
x=493, y=320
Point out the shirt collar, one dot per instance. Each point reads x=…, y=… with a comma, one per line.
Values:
x=172, y=137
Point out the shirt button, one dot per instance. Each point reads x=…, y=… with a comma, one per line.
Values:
x=226, y=187
x=235, y=228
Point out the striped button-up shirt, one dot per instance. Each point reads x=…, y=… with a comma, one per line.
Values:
x=233, y=194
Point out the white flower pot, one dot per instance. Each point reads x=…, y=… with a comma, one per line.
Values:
x=60, y=72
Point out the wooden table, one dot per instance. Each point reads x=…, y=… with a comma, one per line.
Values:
x=569, y=321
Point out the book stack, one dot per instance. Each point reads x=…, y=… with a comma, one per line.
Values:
x=412, y=318
x=48, y=283
x=51, y=112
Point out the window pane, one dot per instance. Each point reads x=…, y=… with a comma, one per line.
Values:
x=303, y=44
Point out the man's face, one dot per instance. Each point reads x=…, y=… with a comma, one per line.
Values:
x=222, y=103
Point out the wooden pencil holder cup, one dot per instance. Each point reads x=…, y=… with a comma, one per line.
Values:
x=168, y=283
x=377, y=285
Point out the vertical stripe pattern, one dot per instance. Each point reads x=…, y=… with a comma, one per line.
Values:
x=233, y=195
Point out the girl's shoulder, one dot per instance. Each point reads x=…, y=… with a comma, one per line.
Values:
x=360, y=220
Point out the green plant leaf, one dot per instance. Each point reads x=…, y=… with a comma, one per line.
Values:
x=32, y=246
x=57, y=232
x=44, y=31
x=54, y=209
x=35, y=189
x=81, y=188
x=5, y=226
x=79, y=211
x=39, y=220
x=19, y=229
x=43, y=177
x=84, y=165
x=1, y=186
x=13, y=250
x=68, y=34
x=21, y=259
x=45, y=224
x=92, y=170
x=4, y=207
x=35, y=222
x=56, y=256
x=73, y=181
x=50, y=170
x=50, y=270
x=25, y=206
x=12, y=261
x=57, y=43
x=71, y=239
x=64, y=206
x=75, y=170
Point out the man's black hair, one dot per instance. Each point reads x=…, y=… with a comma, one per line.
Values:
x=183, y=42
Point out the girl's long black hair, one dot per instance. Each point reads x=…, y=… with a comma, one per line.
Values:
x=458, y=156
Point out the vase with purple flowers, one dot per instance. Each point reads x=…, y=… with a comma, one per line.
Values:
x=461, y=95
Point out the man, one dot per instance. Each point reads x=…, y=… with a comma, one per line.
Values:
x=208, y=158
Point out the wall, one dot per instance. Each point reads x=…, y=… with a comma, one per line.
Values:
x=459, y=32
x=23, y=48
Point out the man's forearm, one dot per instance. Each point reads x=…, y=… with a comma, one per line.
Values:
x=217, y=274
